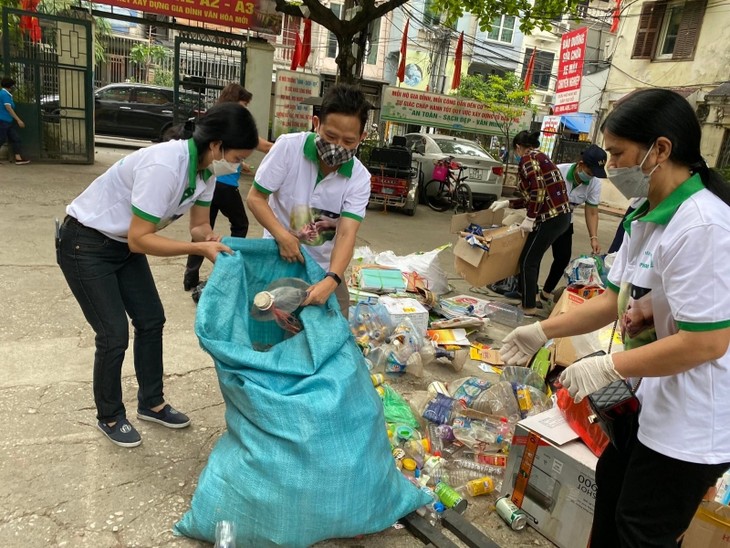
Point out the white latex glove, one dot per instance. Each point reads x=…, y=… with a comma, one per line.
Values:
x=499, y=204
x=588, y=375
x=522, y=343
x=527, y=225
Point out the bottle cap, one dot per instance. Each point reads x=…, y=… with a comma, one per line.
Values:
x=409, y=464
x=263, y=300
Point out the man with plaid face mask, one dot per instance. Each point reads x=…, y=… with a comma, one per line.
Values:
x=311, y=190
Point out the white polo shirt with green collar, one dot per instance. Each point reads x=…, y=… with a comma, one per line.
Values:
x=307, y=202
x=671, y=274
x=584, y=193
x=158, y=184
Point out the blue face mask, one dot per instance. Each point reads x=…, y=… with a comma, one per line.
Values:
x=517, y=158
x=584, y=177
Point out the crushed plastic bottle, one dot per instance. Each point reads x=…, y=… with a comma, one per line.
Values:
x=279, y=301
x=225, y=534
x=505, y=314
x=482, y=469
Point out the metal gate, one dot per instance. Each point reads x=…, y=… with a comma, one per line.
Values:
x=52, y=68
x=203, y=67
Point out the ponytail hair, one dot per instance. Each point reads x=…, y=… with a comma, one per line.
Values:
x=230, y=123
x=527, y=139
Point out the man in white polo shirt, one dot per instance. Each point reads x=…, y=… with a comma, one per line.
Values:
x=311, y=190
x=584, y=187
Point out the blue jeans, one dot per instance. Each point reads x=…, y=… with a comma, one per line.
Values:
x=109, y=283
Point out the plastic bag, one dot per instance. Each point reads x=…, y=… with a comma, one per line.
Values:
x=396, y=409
x=585, y=271
x=425, y=263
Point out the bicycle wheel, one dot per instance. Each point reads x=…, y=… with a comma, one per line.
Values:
x=438, y=196
x=462, y=199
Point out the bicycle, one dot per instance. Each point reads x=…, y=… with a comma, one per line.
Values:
x=447, y=188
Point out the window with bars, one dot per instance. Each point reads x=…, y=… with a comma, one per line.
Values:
x=503, y=29
x=669, y=30
x=372, y=58
x=543, y=69
x=331, y=38
x=723, y=161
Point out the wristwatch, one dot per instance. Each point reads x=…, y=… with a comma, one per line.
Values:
x=334, y=276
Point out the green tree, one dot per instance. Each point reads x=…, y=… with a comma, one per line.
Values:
x=354, y=31
x=147, y=56
x=503, y=95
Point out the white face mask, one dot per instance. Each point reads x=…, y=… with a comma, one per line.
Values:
x=632, y=182
x=223, y=167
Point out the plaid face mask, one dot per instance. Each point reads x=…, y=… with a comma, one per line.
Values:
x=331, y=154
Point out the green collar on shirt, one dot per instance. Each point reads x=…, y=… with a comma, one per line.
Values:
x=310, y=153
x=193, y=171
x=665, y=210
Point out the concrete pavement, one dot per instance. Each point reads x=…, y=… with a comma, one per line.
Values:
x=61, y=482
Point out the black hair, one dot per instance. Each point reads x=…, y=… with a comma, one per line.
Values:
x=227, y=122
x=647, y=114
x=7, y=82
x=527, y=139
x=346, y=99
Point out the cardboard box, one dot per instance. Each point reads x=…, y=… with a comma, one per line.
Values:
x=710, y=528
x=399, y=308
x=568, y=350
x=480, y=267
x=485, y=218
x=560, y=490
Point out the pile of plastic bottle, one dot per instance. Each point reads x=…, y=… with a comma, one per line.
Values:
x=453, y=441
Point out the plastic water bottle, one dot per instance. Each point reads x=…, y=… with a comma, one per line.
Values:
x=483, y=469
x=504, y=313
x=279, y=301
x=225, y=534
x=723, y=489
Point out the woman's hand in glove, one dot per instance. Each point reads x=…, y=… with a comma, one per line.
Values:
x=588, y=375
x=499, y=204
x=522, y=343
x=528, y=225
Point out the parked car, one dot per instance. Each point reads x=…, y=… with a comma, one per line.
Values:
x=139, y=111
x=485, y=175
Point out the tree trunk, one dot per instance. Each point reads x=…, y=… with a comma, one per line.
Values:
x=346, y=60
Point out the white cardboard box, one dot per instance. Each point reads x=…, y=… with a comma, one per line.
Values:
x=406, y=307
x=561, y=486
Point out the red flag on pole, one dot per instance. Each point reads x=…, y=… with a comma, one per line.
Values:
x=297, y=55
x=616, y=15
x=528, y=74
x=456, y=80
x=403, y=43
x=306, y=42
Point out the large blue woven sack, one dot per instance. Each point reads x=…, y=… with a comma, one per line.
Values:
x=306, y=456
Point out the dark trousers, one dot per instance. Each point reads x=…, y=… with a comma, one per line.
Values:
x=110, y=283
x=9, y=132
x=538, y=242
x=645, y=499
x=562, y=250
x=227, y=200
x=619, y=236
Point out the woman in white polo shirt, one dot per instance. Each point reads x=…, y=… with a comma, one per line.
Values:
x=671, y=291
x=109, y=230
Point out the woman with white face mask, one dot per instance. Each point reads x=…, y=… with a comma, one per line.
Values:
x=669, y=289
x=104, y=241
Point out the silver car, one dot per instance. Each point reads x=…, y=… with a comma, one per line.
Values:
x=485, y=175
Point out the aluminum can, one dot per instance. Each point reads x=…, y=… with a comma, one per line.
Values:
x=513, y=516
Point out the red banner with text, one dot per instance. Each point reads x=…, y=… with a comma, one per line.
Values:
x=570, y=71
x=256, y=15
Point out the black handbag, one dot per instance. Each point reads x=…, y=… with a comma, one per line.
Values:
x=617, y=410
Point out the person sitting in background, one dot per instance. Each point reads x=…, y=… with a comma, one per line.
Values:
x=548, y=213
x=227, y=198
x=670, y=291
x=584, y=187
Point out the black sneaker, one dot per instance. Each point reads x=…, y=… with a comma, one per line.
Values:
x=167, y=416
x=122, y=433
